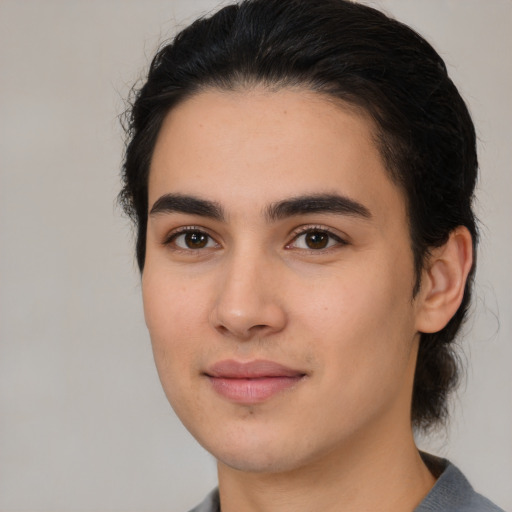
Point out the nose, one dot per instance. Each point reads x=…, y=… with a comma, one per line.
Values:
x=249, y=301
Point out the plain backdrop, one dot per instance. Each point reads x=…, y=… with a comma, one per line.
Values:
x=84, y=425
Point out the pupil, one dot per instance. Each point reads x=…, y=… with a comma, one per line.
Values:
x=317, y=240
x=196, y=240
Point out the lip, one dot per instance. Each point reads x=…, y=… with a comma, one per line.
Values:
x=252, y=382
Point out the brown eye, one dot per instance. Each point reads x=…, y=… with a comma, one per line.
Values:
x=192, y=240
x=316, y=239
x=196, y=240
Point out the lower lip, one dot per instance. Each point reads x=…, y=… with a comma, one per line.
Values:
x=252, y=391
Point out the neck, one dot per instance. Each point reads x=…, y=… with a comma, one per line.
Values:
x=368, y=473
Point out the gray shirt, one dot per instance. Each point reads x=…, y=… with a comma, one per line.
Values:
x=451, y=493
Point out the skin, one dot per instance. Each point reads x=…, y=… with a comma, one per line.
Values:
x=343, y=315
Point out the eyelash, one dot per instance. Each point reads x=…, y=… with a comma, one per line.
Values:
x=171, y=238
x=302, y=231
x=305, y=230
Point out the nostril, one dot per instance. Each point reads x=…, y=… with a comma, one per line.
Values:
x=240, y=331
x=222, y=329
x=246, y=316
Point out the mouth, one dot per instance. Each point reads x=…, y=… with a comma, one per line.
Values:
x=252, y=382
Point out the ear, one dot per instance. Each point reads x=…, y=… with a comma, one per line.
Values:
x=443, y=281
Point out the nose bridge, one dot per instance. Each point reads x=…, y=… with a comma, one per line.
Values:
x=248, y=300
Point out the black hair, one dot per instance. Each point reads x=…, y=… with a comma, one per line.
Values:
x=358, y=55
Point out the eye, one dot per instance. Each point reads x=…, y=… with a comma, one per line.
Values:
x=191, y=239
x=316, y=240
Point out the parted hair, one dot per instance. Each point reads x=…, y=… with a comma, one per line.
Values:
x=357, y=55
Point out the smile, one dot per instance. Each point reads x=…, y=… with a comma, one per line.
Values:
x=252, y=382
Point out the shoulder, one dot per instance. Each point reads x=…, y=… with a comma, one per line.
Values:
x=452, y=492
x=210, y=504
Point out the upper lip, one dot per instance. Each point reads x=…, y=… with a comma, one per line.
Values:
x=260, y=368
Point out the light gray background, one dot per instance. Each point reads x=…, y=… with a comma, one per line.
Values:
x=84, y=425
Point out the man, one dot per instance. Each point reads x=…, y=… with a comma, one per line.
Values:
x=301, y=176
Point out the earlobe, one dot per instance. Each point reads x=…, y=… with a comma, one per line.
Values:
x=443, y=281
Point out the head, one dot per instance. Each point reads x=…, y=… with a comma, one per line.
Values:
x=356, y=57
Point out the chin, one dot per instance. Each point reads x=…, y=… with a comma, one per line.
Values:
x=259, y=462
x=256, y=453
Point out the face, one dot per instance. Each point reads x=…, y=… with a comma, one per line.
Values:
x=278, y=279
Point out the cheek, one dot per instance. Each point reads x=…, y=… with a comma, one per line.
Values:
x=171, y=317
x=360, y=296
x=172, y=304
x=364, y=322
x=172, y=313
x=367, y=356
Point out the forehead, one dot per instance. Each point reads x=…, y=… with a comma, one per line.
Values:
x=259, y=146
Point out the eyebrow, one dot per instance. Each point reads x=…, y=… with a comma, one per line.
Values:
x=179, y=203
x=300, y=205
x=317, y=203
